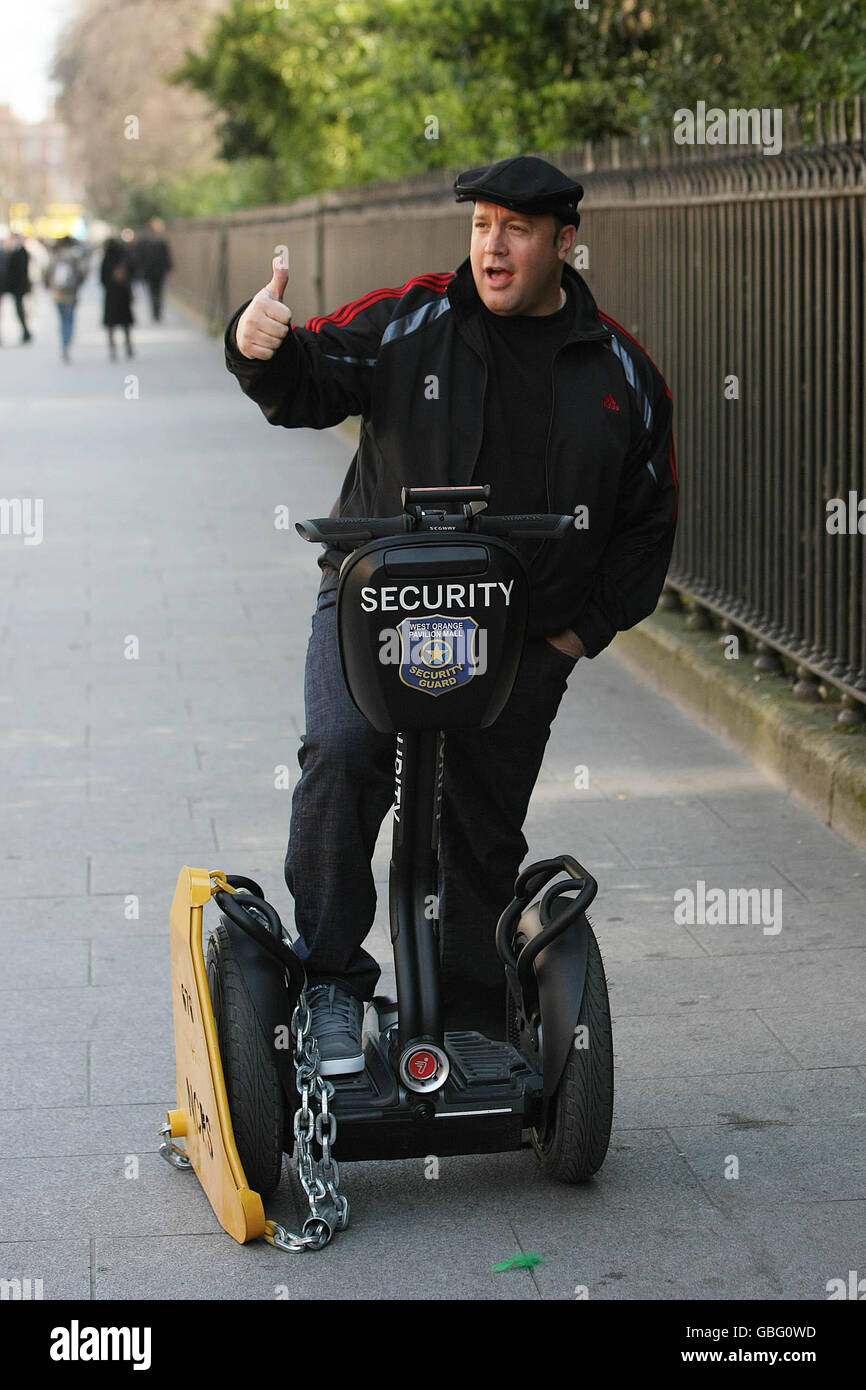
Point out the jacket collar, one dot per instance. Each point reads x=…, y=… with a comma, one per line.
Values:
x=586, y=325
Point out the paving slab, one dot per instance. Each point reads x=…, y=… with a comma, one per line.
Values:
x=821, y=1036
x=773, y=1157
x=647, y=1257
x=737, y=982
x=33, y=1071
x=137, y=1069
x=81, y=1012
x=47, y=1269
x=27, y=877
x=45, y=1131
x=100, y=1194
x=85, y=916
x=743, y=1100
x=696, y=1043
x=815, y=1243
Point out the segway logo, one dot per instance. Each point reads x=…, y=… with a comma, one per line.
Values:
x=422, y=1065
x=437, y=653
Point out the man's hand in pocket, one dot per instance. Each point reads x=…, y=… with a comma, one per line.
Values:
x=568, y=642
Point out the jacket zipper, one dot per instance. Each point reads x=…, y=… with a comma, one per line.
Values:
x=482, y=359
x=595, y=337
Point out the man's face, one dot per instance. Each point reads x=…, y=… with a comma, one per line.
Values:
x=515, y=263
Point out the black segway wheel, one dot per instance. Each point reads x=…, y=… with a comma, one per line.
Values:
x=253, y=1085
x=574, y=1142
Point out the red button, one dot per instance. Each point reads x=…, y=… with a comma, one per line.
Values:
x=422, y=1065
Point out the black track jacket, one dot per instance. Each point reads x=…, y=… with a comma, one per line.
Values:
x=410, y=361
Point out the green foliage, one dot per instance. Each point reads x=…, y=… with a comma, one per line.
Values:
x=227, y=188
x=325, y=93
x=758, y=53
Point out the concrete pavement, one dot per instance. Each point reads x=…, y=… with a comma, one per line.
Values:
x=151, y=684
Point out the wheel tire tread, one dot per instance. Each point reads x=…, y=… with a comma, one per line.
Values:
x=252, y=1082
x=584, y=1098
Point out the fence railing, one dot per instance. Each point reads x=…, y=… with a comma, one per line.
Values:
x=744, y=276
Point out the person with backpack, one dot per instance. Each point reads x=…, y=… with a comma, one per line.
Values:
x=63, y=276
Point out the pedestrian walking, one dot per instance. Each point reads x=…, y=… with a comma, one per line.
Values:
x=4, y=262
x=116, y=276
x=63, y=276
x=154, y=261
x=16, y=279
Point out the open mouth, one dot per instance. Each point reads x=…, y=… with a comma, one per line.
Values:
x=496, y=276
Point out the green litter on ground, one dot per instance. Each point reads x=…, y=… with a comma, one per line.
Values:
x=527, y=1261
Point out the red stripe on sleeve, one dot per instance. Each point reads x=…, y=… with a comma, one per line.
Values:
x=672, y=460
x=346, y=312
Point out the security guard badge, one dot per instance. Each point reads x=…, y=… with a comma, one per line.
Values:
x=438, y=653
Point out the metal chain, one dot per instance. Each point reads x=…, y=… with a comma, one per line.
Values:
x=314, y=1120
x=329, y=1208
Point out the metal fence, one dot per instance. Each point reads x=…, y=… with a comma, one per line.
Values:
x=743, y=276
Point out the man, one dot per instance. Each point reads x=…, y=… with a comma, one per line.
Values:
x=16, y=280
x=503, y=372
x=153, y=262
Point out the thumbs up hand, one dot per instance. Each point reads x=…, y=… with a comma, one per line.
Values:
x=265, y=322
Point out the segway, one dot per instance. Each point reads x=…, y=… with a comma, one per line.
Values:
x=431, y=616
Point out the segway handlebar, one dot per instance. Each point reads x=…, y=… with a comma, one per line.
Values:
x=358, y=530
x=353, y=530
x=548, y=525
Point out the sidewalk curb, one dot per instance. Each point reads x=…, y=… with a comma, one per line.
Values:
x=194, y=314
x=757, y=714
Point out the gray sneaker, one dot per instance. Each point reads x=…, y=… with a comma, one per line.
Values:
x=337, y=1020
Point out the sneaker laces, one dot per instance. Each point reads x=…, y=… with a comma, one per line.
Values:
x=342, y=1011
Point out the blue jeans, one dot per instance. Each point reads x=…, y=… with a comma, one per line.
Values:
x=345, y=791
x=67, y=323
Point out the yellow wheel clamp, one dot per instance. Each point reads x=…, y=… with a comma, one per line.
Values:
x=202, y=1117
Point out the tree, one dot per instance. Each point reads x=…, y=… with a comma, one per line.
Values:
x=111, y=59
x=341, y=91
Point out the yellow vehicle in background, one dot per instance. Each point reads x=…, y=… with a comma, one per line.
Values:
x=60, y=219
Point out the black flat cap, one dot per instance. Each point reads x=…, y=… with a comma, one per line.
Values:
x=524, y=184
